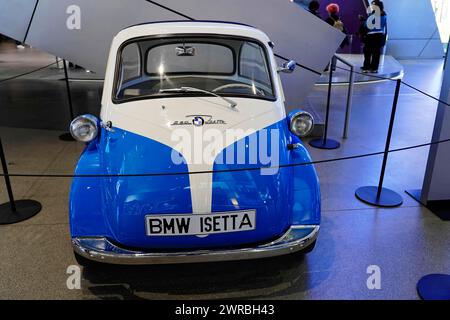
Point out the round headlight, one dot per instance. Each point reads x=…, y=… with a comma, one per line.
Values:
x=84, y=128
x=302, y=123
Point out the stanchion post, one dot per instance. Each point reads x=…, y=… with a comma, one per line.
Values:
x=348, y=109
x=379, y=196
x=69, y=93
x=327, y=116
x=7, y=180
x=388, y=139
x=324, y=142
x=67, y=136
x=15, y=211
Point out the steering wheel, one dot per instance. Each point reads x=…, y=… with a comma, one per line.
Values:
x=240, y=85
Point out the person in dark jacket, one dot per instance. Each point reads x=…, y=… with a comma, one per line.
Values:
x=374, y=38
x=314, y=7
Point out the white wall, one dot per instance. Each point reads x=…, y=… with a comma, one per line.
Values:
x=437, y=178
x=15, y=17
x=413, y=31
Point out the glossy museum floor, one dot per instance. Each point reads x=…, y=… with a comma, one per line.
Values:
x=405, y=243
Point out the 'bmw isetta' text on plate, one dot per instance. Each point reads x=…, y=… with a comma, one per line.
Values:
x=200, y=224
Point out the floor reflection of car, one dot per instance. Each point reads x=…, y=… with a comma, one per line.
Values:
x=191, y=154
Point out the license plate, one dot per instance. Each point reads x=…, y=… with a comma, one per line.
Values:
x=200, y=224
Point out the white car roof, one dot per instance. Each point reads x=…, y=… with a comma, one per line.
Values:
x=190, y=27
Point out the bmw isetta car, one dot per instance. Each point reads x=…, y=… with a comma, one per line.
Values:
x=193, y=157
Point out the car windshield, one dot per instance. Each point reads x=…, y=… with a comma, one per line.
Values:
x=162, y=67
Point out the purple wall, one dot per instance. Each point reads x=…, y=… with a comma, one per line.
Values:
x=350, y=9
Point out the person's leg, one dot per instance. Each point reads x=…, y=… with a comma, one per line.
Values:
x=375, y=59
x=376, y=55
x=367, y=55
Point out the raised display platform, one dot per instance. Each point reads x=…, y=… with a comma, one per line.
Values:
x=389, y=68
x=315, y=104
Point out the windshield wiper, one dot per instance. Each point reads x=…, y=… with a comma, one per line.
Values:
x=191, y=89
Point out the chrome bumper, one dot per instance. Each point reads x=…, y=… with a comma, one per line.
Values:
x=101, y=250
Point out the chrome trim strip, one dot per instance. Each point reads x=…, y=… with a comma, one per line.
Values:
x=102, y=250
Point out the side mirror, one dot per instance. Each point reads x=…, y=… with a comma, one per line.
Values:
x=288, y=67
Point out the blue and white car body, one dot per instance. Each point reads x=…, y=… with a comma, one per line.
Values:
x=141, y=205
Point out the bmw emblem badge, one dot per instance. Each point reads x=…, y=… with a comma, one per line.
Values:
x=198, y=121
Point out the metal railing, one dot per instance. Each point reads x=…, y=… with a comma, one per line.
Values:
x=351, y=84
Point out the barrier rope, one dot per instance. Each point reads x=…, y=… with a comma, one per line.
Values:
x=16, y=175
x=27, y=73
x=403, y=82
x=20, y=175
